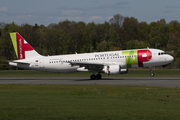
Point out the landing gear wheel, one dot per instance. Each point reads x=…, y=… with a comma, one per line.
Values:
x=92, y=77
x=152, y=74
x=98, y=76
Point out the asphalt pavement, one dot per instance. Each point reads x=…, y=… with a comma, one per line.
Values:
x=132, y=81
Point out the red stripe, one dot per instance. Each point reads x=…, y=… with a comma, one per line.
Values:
x=22, y=47
x=27, y=47
x=143, y=56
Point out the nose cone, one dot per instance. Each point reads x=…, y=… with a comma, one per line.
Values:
x=170, y=58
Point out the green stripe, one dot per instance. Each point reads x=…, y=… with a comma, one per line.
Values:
x=13, y=39
x=129, y=59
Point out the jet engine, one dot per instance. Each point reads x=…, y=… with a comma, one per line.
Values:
x=114, y=70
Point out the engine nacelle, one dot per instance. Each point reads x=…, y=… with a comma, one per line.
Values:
x=114, y=70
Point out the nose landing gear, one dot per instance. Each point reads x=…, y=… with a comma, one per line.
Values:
x=151, y=72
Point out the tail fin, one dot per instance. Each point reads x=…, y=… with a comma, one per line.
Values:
x=22, y=48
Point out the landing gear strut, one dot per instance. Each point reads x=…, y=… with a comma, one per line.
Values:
x=98, y=76
x=151, y=74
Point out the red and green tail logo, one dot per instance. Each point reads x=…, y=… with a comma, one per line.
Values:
x=20, y=45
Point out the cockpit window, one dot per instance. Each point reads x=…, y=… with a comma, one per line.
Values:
x=162, y=53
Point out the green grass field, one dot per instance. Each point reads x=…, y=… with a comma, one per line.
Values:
x=132, y=73
x=88, y=102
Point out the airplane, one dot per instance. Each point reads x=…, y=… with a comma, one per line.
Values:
x=111, y=62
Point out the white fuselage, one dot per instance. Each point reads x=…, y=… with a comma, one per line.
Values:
x=77, y=62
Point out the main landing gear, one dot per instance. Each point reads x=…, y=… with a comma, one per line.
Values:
x=98, y=76
x=151, y=74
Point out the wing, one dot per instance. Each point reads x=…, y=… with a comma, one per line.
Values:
x=91, y=66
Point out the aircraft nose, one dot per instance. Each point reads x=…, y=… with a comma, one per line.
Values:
x=171, y=58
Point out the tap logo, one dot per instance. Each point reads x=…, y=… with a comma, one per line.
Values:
x=22, y=47
x=144, y=56
x=20, y=43
x=137, y=57
x=21, y=56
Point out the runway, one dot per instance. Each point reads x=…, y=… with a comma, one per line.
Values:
x=133, y=81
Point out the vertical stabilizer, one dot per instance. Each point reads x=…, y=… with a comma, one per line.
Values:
x=22, y=48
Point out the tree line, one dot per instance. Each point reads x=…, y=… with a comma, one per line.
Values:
x=68, y=37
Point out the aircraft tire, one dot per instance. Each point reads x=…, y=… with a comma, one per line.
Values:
x=98, y=76
x=152, y=74
x=93, y=77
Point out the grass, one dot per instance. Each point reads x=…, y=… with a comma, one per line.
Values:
x=88, y=102
x=132, y=73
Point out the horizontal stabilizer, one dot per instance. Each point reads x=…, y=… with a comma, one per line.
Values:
x=20, y=61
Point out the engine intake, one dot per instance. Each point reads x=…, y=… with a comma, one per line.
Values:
x=114, y=70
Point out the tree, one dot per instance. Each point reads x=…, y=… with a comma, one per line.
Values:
x=2, y=25
x=102, y=31
x=77, y=33
x=129, y=28
x=117, y=21
x=89, y=38
x=158, y=34
x=6, y=47
x=116, y=24
x=143, y=31
x=174, y=37
x=41, y=33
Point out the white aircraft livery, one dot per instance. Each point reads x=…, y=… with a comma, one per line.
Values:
x=111, y=62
